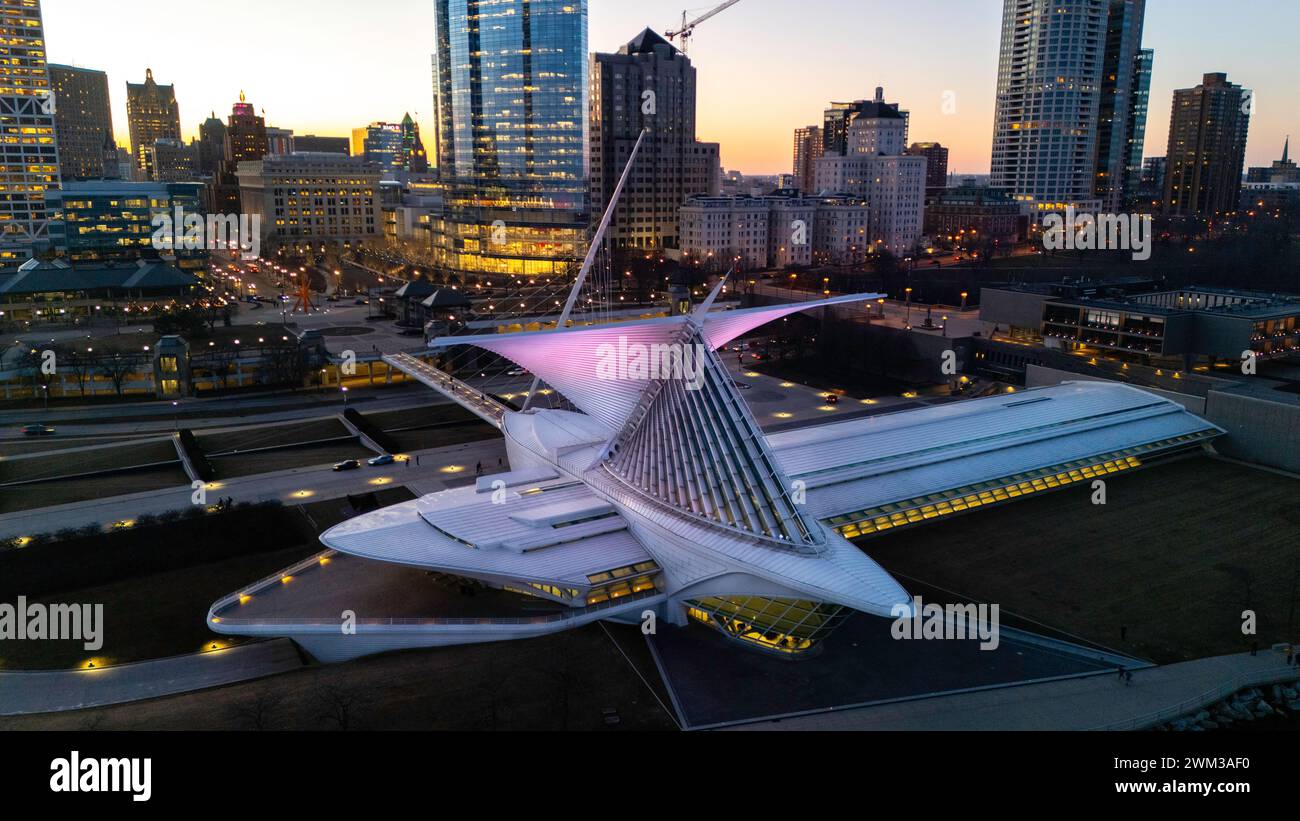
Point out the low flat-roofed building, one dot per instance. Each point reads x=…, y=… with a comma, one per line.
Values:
x=1129, y=318
x=43, y=291
x=988, y=213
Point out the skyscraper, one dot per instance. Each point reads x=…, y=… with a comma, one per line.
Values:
x=1207, y=147
x=29, y=164
x=808, y=149
x=311, y=143
x=245, y=141
x=279, y=141
x=864, y=146
x=1122, y=111
x=174, y=161
x=384, y=146
x=152, y=115
x=84, y=123
x=885, y=117
x=511, y=89
x=245, y=134
x=1048, y=103
x=212, y=145
x=936, y=165
x=648, y=84
x=414, y=158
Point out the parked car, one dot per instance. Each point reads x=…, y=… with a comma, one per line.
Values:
x=350, y=464
x=516, y=372
x=38, y=430
x=385, y=459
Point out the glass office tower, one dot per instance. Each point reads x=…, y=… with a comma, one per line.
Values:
x=29, y=158
x=510, y=79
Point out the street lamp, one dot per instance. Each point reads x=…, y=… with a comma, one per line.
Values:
x=908, y=291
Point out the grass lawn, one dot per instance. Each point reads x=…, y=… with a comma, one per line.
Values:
x=1160, y=558
x=154, y=616
x=51, y=444
x=441, y=437
x=420, y=417
x=67, y=491
x=252, y=464
x=269, y=436
x=55, y=465
x=565, y=681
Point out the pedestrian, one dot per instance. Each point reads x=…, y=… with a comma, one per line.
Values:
x=417, y=461
x=478, y=469
x=1121, y=674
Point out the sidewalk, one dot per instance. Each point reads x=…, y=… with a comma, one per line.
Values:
x=23, y=693
x=1156, y=694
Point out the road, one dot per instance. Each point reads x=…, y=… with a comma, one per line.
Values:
x=437, y=470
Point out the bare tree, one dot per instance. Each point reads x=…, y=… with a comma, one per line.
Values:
x=256, y=714
x=338, y=705
x=222, y=364
x=80, y=363
x=285, y=365
x=116, y=367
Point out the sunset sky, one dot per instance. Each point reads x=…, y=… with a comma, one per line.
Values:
x=765, y=66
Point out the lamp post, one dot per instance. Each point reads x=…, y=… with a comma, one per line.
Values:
x=908, y=292
x=964, y=294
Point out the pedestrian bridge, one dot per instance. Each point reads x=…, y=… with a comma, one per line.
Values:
x=462, y=393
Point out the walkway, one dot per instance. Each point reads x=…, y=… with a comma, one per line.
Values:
x=438, y=469
x=467, y=396
x=23, y=693
x=1155, y=695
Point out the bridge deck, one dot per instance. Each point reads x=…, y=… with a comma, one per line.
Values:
x=467, y=396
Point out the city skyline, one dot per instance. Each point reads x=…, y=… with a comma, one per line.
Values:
x=760, y=77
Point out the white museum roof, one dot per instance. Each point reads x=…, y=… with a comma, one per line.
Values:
x=863, y=463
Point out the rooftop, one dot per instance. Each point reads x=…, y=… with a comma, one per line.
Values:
x=37, y=277
x=865, y=463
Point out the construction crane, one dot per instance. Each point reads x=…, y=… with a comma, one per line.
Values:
x=688, y=28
